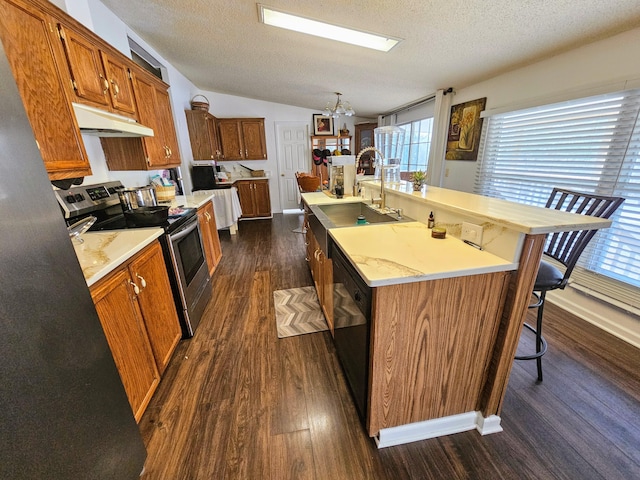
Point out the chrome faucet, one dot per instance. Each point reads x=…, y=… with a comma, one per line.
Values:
x=382, y=166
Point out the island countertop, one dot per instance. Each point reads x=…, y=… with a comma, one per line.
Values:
x=101, y=252
x=526, y=219
x=395, y=253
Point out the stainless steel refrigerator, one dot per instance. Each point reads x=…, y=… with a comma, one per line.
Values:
x=63, y=410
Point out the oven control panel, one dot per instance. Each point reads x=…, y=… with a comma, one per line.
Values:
x=87, y=198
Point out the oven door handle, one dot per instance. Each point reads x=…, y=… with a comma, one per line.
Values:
x=183, y=233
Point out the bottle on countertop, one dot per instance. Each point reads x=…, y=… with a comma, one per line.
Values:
x=431, y=220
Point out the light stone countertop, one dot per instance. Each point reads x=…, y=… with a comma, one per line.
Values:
x=515, y=216
x=394, y=253
x=101, y=252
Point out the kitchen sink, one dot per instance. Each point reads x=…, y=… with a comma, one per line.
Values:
x=338, y=215
x=346, y=214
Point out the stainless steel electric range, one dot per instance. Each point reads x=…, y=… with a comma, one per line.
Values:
x=181, y=244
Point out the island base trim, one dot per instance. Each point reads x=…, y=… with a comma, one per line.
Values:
x=438, y=427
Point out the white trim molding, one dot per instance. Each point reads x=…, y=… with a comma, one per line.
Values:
x=438, y=427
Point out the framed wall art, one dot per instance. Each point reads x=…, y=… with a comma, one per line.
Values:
x=322, y=124
x=465, y=126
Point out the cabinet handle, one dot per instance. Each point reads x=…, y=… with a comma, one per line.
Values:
x=246, y=152
x=240, y=152
x=116, y=88
x=105, y=84
x=143, y=282
x=206, y=214
x=136, y=289
x=170, y=151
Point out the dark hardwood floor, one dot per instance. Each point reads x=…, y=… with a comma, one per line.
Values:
x=236, y=402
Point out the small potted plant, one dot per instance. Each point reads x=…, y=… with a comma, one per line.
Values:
x=418, y=178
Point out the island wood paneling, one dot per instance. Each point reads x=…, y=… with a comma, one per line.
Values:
x=514, y=313
x=431, y=346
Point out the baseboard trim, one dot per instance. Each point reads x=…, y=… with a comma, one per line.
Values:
x=438, y=427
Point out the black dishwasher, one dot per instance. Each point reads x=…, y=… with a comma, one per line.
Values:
x=352, y=324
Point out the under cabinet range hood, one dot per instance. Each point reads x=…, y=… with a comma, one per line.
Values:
x=93, y=121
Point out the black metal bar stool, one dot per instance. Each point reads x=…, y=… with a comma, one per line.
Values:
x=565, y=248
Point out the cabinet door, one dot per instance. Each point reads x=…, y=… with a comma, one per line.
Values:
x=145, y=95
x=121, y=321
x=253, y=139
x=202, y=136
x=120, y=86
x=245, y=195
x=261, y=198
x=156, y=303
x=85, y=65
x=165, y=120
x=230, y=139
x=29, y=34
x=210, y=238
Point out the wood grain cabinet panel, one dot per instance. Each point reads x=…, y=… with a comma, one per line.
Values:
x=99, y=78
x=321, y=269
x=254, y=197
x=242, y=138
x=137, y=313
x=33, y=48
x=156, y=303
x=121, y=320
x=202, y=134
x=210, y=238
x=154, y=111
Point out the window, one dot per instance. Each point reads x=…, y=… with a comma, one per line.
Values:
x=590, y=145
x=417, y=142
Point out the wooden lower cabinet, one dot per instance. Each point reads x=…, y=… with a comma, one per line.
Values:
x=139, y=319
x=210, y=238
x=322, y=272
x=254, y=197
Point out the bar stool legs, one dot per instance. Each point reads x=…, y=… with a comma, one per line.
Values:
x=541, y=343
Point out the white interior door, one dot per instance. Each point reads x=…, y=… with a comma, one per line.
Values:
x=294, y=155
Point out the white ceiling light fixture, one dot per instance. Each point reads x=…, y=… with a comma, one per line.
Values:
x=275, y=18
x=339, y=108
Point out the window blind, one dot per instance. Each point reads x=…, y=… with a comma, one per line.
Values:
x=590, y=145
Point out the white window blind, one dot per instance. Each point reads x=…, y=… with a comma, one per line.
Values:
x=590, y=145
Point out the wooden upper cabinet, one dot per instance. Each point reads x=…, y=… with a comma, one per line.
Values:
x=120, y=85
x=154, y=111
x=34, y=51
x=85, y=65
x=202, y=134
x=230, y=139
x=255, y=145
x=165, y=117
x=242, y=138
x=98, y=78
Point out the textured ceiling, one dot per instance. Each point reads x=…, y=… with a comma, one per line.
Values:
x=221, y=46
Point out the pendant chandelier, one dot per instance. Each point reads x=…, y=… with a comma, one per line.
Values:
x=339, y=108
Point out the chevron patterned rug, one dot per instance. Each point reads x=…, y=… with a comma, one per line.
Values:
x=298, y=312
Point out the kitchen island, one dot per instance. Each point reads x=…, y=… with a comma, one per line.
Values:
x=445, y=316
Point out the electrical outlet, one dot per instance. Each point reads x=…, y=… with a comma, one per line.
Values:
x=472, y=232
